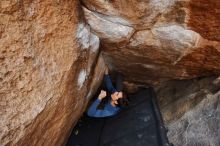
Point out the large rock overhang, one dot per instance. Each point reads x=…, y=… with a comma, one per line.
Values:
x=158, y=41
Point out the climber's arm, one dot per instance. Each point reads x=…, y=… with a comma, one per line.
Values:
x=108, y=84
x=93, y=111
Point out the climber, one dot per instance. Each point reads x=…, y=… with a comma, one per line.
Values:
x=109, y=102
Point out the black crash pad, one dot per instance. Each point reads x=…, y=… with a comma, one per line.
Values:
x=137, y=125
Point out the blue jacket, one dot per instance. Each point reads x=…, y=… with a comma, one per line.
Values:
x=108, y=110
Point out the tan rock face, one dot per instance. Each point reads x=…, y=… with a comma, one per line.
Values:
x=167, y=41
x=107, y=29
x=135, y=13
x=205, y=18
x=47, y=54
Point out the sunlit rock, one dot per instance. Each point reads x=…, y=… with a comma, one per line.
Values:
x=106, y=29
x=46, y=58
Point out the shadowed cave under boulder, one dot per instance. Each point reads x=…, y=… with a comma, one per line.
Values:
x=138, y=124
x=142, y=122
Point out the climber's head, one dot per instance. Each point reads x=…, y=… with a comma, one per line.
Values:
x=120, y=99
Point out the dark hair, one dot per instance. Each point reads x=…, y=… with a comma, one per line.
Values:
x=123, y=102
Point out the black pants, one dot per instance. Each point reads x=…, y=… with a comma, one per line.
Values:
x=108, y=86
x=119, y=82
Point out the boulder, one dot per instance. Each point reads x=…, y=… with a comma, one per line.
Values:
x=198, y=126
x=166, y=42
x=47, y=58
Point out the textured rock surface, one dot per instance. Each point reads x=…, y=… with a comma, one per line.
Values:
x=167, y=40
x=107, y=29
x=97, y=77
x=191, y=111
x=179, y=96
x=138, y=14
x=205, y=18
x=200, y=126
x=47, y=56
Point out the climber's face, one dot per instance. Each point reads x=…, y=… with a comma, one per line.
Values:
x=115, y=96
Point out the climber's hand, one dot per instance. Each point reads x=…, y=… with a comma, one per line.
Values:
x=106, y=70
x=102, y=95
